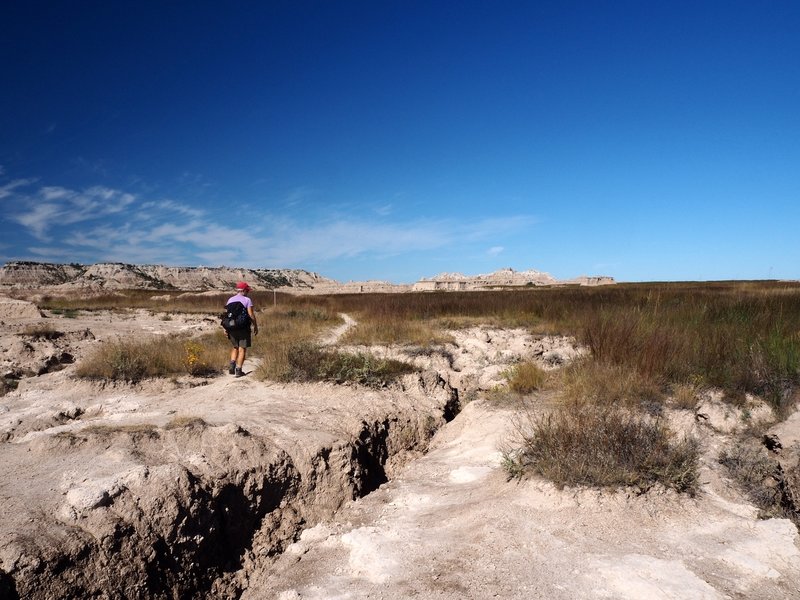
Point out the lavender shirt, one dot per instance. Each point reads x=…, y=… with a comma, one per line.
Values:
x=248, y=303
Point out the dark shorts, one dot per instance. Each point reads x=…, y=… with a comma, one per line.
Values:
x=240, y=338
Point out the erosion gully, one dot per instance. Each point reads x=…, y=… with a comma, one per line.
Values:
x=173, y=530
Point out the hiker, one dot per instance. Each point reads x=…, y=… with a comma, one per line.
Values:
x=240, y=337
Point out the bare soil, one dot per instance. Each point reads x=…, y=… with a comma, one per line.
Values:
x=228, y=488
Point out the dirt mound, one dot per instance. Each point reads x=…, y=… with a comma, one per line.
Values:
x=18, y=310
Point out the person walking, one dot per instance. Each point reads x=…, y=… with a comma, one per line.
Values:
x=241, y=337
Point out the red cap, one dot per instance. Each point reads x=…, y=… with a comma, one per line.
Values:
x=242, y=286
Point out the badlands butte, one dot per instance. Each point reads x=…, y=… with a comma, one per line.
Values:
x=25, y=274
x=225, y=488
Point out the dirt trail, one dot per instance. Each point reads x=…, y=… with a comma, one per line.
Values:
x=336, y=334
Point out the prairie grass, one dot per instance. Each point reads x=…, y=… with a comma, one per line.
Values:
x=281, y=330
x=133, y=360
x=741, y=337
x=371, y=331
x=685, y=396
x=602, y=384
x=526, y=377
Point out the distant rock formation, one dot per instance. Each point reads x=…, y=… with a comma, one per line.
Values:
x=501, y=278
x=119, y=276
x=25, y=274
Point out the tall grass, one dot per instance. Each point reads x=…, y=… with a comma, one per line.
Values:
x=133, y=360
x=738, y=336
x=283, y=329
x=370, y=331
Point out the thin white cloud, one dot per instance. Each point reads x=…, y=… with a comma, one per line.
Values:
x=55, y=206
x=105, y=224
x=297, y=196
x=8, y=189
x=173, y=207
x=55, y=193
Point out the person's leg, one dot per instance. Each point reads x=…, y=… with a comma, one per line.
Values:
x=234, y=357
x=244, y=344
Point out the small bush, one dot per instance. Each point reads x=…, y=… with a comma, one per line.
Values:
x=42, y=331
x=526, y=377
x=599, y=446
x=758, y=475
x=685, y=396
x=308, y=362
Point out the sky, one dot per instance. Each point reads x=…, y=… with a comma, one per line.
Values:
x=394, y=140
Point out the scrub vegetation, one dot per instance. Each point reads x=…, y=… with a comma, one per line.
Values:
x=137, y=359
x=648, y=343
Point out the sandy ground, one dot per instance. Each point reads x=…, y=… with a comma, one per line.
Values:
x=448, y=524
x=452, y=526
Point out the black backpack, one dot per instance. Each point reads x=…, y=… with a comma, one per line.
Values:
x=235, y=317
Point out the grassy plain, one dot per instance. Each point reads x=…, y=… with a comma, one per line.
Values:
x=648, y=342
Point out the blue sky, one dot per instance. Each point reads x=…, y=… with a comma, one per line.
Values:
x=398, y=139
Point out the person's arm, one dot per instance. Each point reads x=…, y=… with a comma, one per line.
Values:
x=252, y=313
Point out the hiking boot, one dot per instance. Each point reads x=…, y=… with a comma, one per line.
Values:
x=239, y=372
x=232, y=368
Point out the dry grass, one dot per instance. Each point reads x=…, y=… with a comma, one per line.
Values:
x=371, y=331
x=42, y=331
x=593, y=382
x=742, y=337
x=685, y=396
x=308, y=362
x=602, y=446
x=137, y=359
x=283, y=329
x=526, y=377
x=758, y=475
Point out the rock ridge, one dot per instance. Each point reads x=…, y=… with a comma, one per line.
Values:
x=28, y=274
x=120, y=276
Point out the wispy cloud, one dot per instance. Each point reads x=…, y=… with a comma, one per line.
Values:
x=105, y=224
x=495, y=250
x=297, y=196
x=56, y=207
x=8, y=189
